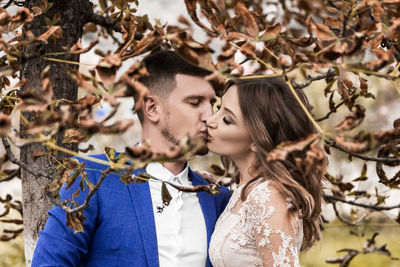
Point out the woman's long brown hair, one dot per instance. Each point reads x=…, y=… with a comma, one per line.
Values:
x=273, y=115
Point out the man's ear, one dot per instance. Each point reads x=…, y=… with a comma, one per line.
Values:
x=151, y=109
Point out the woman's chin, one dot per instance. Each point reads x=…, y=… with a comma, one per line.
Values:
x=212, y=147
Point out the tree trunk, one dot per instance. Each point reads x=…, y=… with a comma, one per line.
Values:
x=35, y=203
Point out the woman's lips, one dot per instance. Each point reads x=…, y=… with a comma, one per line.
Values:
x=209, y=137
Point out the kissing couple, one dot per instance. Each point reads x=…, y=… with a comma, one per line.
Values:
x=271, y=214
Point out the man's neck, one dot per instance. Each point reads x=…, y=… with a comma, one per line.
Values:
x=175, y=167
x=159, y=145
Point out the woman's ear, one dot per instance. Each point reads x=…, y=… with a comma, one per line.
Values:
x=253, y=147
x=151, y=109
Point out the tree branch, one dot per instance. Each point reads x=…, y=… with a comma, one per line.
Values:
x=104, y=21
x=330, y=112
x=330, y=73
x=335, y=199
x=344, y=220
x=109, y=24
x=363, y=157
x=23, y=166
x=210, y=188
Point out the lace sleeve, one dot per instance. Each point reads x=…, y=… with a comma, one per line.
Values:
x=271, y=227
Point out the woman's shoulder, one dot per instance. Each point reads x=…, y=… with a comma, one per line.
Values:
x=265, y=191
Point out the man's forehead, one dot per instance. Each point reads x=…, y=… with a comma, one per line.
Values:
x=193, y=86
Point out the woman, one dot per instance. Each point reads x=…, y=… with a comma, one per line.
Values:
x=275, y=210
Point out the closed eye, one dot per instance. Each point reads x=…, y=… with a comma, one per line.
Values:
x=226, y=121
x=194, y=103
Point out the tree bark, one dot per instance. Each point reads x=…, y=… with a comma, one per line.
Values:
x=73, y=17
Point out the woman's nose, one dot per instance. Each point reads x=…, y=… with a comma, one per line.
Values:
x=210, y=123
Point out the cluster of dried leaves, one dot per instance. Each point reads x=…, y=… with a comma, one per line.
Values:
x=341, y=42
x=10, y=204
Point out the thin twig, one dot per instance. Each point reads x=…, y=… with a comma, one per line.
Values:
x=210, y=188
x=85, y=204
x=330, y=73
x=348, y=222
x=11, y=175
x=330, y=112
x=8, y=4
x=344, y=26
x=333, y=5
x=363, y=157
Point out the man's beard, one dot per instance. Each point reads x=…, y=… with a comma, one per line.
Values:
x=203, y=150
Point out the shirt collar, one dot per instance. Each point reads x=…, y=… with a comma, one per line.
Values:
x=157, y=170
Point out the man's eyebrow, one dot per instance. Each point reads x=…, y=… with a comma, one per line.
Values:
x=194, y=97
x=230, y=111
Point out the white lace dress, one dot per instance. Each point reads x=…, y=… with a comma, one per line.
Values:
x=256, y=232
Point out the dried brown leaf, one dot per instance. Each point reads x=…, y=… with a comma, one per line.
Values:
x=165, y=195
x=107, y=68
x=5, y=124
x=54, y=31
x=191, y=8
x=237, y=36
x=248, y=49
x=351, y=145
x=77, y=47
x=75, y=222
x=248, y=19
x=36, y=10
x=74, y=136
x=39, y=153
x=284, y=149
x=322, y=31
x=352, y=121
x=377, y=10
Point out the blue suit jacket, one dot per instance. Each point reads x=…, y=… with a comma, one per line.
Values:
x=119, y=229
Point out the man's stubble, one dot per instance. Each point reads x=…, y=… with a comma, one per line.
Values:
x=174, y=140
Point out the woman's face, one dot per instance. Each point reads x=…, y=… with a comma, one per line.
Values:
x=228, y=133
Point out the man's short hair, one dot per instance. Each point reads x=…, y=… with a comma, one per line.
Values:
x=162, y=67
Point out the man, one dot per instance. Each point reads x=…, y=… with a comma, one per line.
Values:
x=128, y=225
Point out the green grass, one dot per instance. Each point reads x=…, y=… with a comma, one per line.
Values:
x=12, y=253
x=337, y=236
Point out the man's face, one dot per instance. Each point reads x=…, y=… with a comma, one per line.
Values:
x=187, y=109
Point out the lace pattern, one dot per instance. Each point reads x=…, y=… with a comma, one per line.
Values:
x=256, y=232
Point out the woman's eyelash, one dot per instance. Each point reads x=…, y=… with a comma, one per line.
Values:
x=226, y=121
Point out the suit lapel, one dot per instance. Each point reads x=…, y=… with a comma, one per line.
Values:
x=207, y=205
x=141, y=198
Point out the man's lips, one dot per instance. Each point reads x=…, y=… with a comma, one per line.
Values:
x=209, y=137
x=205, y=135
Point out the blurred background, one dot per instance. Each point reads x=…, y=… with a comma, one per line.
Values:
x=336, y=235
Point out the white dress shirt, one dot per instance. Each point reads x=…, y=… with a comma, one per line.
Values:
x=180, y=226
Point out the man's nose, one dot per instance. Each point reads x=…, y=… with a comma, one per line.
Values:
x=207, y=113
